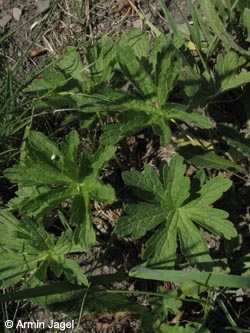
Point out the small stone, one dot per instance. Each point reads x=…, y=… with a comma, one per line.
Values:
x=5, y=20
x=16, y=13
x=137, y=24
x=42, y=5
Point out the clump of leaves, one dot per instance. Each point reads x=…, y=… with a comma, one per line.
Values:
x=153, y=77
x=205, y=86
x=225, y=19
x=27, y=249
x=215, y=56
x=67, y=81
x=49, y=175
x=172, y=209
x=68, y=85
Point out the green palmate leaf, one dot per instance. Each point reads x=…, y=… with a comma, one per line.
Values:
x=27, y=249
x=207, y=159
x=173, y=214
x=49, y=175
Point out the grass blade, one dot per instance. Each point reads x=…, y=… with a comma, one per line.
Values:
x=169, y=18
x=60, y=287
x=205, y=278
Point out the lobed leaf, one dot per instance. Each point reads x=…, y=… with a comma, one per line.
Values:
x=211, y=192
x=146, y=215
x=192, y=244
x=176, y=185
x=161, y=247
x=174, y=214
x=50, y=175
x=28, y=250
x=148, y=182
x=212, y=219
